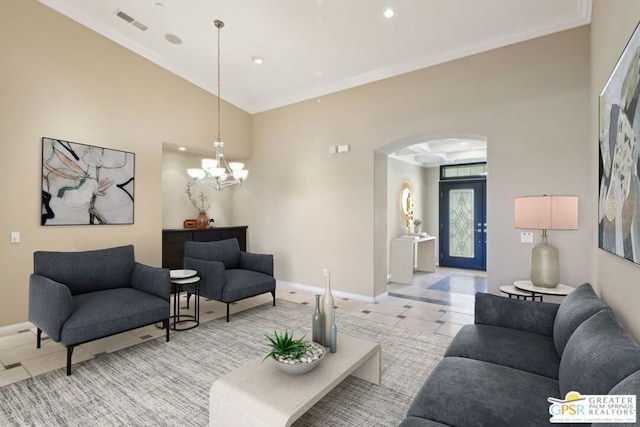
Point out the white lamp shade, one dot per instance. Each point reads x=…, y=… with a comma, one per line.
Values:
x=209, y=164
x=236, y=166
x=240, y=174
x=196, y=173
x=546, y=212
x=217, y=172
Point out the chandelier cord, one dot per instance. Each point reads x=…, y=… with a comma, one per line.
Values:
x=219, y=24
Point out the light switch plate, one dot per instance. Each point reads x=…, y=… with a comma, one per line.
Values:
x=15, y=237
x=526, y=237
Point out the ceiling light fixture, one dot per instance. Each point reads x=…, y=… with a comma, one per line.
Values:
x=257, y=60
x=388, y=13
x=217, y=173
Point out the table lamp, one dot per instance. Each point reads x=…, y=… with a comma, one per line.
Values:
x=546, y=213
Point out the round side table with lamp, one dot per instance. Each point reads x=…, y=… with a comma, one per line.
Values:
x=539, y=291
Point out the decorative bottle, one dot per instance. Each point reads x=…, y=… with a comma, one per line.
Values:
x=333, y=335
x=327, y=309
x=316, y=323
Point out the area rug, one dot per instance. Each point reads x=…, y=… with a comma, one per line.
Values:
x=156, y=383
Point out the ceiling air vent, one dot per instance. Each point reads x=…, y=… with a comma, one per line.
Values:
x=139, y=25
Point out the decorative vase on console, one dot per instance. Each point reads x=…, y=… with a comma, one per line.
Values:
x=202, y=221
x=327, y=310
x=316, y=322
x=201, y=203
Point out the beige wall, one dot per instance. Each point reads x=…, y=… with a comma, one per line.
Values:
x=61, y=80
x=176, y=206
x=617, y=280
x=313, y=210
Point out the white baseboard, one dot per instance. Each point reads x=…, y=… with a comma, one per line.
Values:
x=335, y=293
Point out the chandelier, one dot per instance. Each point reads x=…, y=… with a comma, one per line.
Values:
x=216, y=172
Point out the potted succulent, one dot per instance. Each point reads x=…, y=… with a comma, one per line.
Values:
x=293, y=356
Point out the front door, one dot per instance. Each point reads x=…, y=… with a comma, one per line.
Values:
x=463, y=224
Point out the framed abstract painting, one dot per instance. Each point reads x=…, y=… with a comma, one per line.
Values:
x=619, y=188
x=86, y=185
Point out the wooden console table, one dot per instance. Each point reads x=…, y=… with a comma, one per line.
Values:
x=173, y=241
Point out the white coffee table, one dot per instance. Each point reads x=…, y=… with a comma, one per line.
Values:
x=260, y=394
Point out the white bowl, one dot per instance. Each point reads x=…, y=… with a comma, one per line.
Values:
x=300, y=368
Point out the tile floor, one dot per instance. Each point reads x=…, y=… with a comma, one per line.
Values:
x=437, y=302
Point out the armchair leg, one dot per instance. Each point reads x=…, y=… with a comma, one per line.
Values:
x=38, y=338
x=69, y=354
x=165, y=323
x=273, y=292
x=227, y=312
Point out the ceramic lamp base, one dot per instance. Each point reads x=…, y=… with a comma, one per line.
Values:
x=545, y=267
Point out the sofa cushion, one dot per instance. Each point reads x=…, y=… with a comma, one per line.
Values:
x=528, y=316
x=598, y=356
x=508, y=347
x=420, y=422
x=103, y=313
x=87, y=271
x=468, y=392
x=576, y=307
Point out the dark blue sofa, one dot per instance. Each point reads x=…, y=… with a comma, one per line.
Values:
x=501, y=370
x=76, y=297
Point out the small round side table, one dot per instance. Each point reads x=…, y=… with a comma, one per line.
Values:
x=558, y=291
x=179, y=280
x=512, y=291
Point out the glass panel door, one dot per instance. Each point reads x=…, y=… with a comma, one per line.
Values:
x=463, y=225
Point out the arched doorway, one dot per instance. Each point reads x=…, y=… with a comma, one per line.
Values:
x=384, y=190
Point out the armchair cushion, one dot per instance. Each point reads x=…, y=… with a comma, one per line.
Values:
x=87, y=271
x=224, y=251
x=241, y=284
x=104, y=313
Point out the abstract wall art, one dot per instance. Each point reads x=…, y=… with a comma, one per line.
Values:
x=619, y=189
x=86, y=185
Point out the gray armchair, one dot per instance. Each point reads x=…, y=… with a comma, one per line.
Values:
x=228, y=274
x=76, y=297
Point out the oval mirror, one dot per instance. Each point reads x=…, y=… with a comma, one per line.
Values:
x=405, y=194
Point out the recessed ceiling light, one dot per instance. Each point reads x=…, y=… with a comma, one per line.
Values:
x=388, y=13
x=173, y=39
x=182, y=148
x=257, y=60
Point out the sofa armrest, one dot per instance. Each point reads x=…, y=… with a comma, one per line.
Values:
x=528, y=316
x=50, y=305
x=262, y=263
x=152, y=280
x=212, y=276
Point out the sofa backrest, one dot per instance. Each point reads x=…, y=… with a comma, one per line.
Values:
x=576, y=307
x=225, y=251
x=87, y=271
x=598, y=356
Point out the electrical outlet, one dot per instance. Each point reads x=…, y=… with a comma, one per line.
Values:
x=526, y=237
